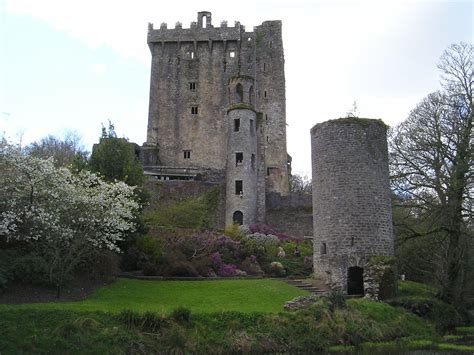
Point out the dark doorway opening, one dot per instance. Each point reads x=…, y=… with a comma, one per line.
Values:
x=238, y=217
x=355, y=281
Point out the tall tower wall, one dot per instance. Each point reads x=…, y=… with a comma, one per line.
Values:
x=271, y=99
x=351, y=196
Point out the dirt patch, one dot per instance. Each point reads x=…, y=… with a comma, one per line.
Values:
x=77, y=290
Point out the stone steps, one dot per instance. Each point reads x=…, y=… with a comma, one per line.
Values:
x=305, y=285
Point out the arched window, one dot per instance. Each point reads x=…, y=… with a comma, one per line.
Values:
x=251, y=95
x=239, y=90
x=238, y=217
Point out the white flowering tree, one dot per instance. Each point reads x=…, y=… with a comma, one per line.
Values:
x=64, y=217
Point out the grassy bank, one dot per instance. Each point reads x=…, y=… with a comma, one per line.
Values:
x=262, y=295
x=74, y=328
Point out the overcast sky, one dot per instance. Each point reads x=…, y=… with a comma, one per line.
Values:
x=72, y=65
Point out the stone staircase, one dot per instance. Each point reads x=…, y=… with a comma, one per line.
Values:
x=307, y=285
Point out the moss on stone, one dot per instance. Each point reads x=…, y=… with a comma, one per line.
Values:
x=241, y=106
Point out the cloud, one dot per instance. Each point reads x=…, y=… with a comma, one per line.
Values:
x=99, y=68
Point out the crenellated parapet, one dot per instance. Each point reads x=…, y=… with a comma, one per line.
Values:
x=200, y=30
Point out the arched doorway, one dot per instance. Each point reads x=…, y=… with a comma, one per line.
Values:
x=355, y=281
x=238, y=217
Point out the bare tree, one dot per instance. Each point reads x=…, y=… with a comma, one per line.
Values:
x=432, y=166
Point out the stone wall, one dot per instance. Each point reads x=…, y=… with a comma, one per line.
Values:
x=191, y=69
x=291, y=214
x=351, y=196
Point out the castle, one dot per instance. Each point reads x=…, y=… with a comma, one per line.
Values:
x=217, y=115
x=217, y=111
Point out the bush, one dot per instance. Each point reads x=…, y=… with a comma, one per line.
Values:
x=149, y=245
x=182, y=314
x=337, y=300
x=234, y=231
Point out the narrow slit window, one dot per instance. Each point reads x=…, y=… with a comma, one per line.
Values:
x=265, y=93
x=268, y=140
x=194, y=110
x=352, y=241
x=236, y=124
x=270, y=44
x=187, y=154
x=252, y=127
x=324, y=249
x=239, y=158
x=266, y=118
x=239, y=187
x=264, y=66
x=253, y=161
x=192, y=86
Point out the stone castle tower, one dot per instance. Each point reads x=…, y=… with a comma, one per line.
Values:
x=217, y=111
x=352, y=213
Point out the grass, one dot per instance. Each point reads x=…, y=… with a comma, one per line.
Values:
x=163, y=297
x=414, y=290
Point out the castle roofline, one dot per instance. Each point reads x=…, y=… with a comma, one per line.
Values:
x=349, y=120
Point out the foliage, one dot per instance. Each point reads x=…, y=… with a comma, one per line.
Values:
x=63, y=217
x=337, y=300
x=193, y=213
x=66, y=152
x=234, y=231
x=115, y=159
x=182, y=314
x=300, y=184
x=432, y=164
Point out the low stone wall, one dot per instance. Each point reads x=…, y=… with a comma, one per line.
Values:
x=292, y=214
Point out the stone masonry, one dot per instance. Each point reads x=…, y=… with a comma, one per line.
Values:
x=194, y=77
x=352, y=214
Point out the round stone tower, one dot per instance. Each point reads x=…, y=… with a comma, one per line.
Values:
x=352, y=214
x=242, y=165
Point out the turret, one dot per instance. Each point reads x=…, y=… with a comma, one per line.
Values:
x=242, y=149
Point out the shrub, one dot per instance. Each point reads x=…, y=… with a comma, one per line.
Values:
x=149, y=245
x=234, y=231
x=261, y=239
x=276, y=268
x=182, y=314
x=337, y=300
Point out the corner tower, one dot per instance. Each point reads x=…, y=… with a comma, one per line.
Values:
x=352, y=213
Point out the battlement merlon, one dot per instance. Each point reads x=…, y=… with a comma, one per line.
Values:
x=200, y=31
x=194, y=34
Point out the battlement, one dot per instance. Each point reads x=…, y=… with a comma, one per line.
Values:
x=200, y=30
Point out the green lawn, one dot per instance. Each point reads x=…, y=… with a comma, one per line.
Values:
x=263, y=295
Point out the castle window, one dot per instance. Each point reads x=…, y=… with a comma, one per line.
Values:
x=232, y=54
x=239, y=158
x=251, y=95
x=236, y=124
x=264, y=67
x=253, y=161
x=194, y=110
x=352, y=241
x=204, y=21
x=268, y=140
x=190, y=54
x=266, y=118
x=270, y=44
x=239, y=90
x=265, y=93
x=323, y=248
x=239, y=187
x=187, y=154
x=192, y=86
x=252, y=127
x=249, y=39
